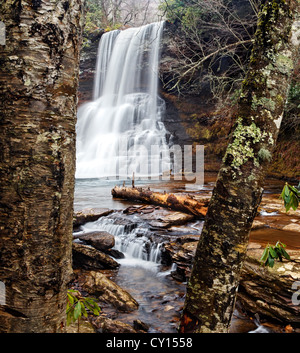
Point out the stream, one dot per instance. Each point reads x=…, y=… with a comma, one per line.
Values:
x=141, y=273
x=116, y=133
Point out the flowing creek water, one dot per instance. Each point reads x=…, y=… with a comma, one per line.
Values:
x=160, y=298
x=141, y=273
x=116, y=136
x=117, y=131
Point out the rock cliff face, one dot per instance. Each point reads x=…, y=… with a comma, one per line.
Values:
x=88, y=60
x=193, y=115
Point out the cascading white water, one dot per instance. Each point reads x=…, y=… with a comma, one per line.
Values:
x=117, y=131
x=137, y=248
x=103, y=59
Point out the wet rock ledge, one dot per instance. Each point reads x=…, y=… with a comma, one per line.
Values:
x=266, y=291
x=271, y=292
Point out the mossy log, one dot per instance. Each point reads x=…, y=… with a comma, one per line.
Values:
x=178, y=202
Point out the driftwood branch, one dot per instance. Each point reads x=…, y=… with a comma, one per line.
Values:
x=179, y=202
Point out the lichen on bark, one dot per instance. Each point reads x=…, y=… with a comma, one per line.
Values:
x=38, y=98
x=241, y=149
x=235, y=199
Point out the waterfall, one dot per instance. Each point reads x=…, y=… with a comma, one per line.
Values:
x=103, y=58
x=121, y=130
x=131, y=240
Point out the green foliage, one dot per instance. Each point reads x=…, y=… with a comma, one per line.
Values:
x=291, y=121
x=294, y=94
x=272, y=253
x=78, y=306
x=173, y=9
x=291, y=196
x=96, y=18
x=188, y=12
x=93, y=16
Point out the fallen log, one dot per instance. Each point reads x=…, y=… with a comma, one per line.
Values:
x=178, y=202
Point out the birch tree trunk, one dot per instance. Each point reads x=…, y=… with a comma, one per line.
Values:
x=220, y=254
x=38, y=99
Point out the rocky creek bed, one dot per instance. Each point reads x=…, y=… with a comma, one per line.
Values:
x=136, y=258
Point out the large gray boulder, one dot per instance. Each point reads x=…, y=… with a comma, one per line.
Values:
x=89, y=258
x=100, y=240
x=97, y=284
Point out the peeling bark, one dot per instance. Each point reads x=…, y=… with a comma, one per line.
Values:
x=38, y=99
x=221, y=250
x=183, y=203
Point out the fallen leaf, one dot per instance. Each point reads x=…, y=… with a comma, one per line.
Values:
x=168, y=308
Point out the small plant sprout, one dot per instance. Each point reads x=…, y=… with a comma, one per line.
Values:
x=291, y=196
x=77, y=305
x=272, y=253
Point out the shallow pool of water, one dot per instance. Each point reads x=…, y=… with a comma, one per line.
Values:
x=160, y=298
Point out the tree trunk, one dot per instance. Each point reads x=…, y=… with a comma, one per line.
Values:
x=220, y=254
x=38, y=99
x=182, y=203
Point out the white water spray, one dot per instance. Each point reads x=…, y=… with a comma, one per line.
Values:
x=116, y=132
x=132, y=242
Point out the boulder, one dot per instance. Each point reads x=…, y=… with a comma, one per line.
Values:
x=84, y=327
x=89, y=215
x=186, y=252
x=258, y=225
x=292, y=227
x=106, y=325
x=166, y=218
x=88, y=258
x=266, y=291
x=127, y=224
x=116, y=254
x=270, y=292
x=182, y=255
x=100, y=240
x=140, y=326
x=99, y=285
